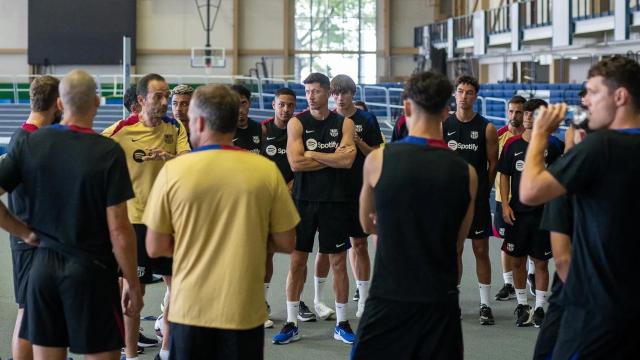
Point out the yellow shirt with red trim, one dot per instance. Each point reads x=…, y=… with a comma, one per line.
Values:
x=503, y=135
x=137, y=140
x=220, y=221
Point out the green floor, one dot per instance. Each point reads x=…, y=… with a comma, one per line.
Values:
x=502, y=341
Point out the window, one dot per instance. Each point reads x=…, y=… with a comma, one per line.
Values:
x=336, y=37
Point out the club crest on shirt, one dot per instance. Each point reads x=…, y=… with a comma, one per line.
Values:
x=168, y=139
x=510, y=247
x=358, y=128
x=333, y=132
x=474, y=135
x=256, y=139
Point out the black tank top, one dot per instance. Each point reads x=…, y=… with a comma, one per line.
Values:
x=324, y=136
x=249, y=138
x=274, y=147
x=421, y=199
x=469, y=140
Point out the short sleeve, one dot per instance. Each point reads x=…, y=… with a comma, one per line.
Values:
x=284, y=215
x=157, y=213
x=577, y=169
x=558, y=216
x=108, y=132
x=183, y=140
x=504, y=162
x=373, y=135
x=10, y=175
x=119, y=188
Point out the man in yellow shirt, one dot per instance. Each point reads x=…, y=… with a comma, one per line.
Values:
x=148, y=139
x=218, y=227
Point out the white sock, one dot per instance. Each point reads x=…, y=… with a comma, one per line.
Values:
x=164, y=354
x=508, y=277
x=541, y=298
x=363, y=290
x=318, y=284
x=292, y=311
x=521, y=295
x=341, y=313
x=532, y=267
x=266, y=290
x=133, y=358
x=485, y=293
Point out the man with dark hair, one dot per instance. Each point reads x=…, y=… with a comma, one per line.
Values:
x=249, y=133
x=476, y=140
x=417, y=242
x=523, y=237
x=221, y=315
x=274, y=147
x=130, y=100
x=43, y=95
x=180, y=98
x=149, y=139
x=82, y=228
x=599, y=174
x=319, y=147
x=515, y=110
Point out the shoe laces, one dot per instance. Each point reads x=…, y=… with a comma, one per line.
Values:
x=304, y=307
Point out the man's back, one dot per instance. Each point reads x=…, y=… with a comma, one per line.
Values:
x=218, y=259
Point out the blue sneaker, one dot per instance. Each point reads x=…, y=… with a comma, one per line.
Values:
x=344, y=333
x=289, y=333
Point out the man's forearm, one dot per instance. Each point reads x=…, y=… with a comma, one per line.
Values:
x=337, y=160
x=534, y=160
x=12, y=224
x=493, y=171
x=505, y=188
x=306, y=164
x=364, y=148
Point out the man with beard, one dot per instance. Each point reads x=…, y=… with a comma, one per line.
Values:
x=249, y=133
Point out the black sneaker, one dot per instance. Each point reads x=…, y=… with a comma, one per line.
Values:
x=145, y=342
x=538, y=317
x=304, y=314
x=140, y=351
x=356, y=295
x=523, y=315
x=506, y=293
x=531, y=280
x=486, y=315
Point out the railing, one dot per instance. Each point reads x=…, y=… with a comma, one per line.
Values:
x=499, y=20
x=535, y=13
x=634, y=5
x=438, y=32
x=463, y=27
x=587, y=9
x=485, y=100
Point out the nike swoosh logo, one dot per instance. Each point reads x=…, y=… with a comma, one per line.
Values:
x=518, y=154
x=234, y=140
x=134, y=140
x=479, y=232
x=309, y=131
x=270, y=138
x=547, y=253
x=450, y=133
x=339, y=245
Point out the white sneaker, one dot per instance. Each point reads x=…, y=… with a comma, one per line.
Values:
x=324, y=312
x=360, y=310
x=158, y=327
x=268, y=324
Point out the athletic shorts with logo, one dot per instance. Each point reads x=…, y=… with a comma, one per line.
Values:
x=22, y=260
x=332, y=221
x=73, y=303
x=428, y=331
x=524, y=237
x=146, y=265
x=481, y=224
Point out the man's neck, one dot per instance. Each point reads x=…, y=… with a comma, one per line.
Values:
x=38, y=119
x=320, y=114
x=347, y=111
x=465, y=115
x=625, y=120
x=281, y=124
x=526, y=135
x=79, y=121
x=426, y=128
x=516, y=130
x=211, y=138
x=149, y=121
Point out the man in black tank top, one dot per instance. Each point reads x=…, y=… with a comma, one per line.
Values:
x=415, y=271
x=319, y=147
x=476, y=140
x=274, y=148
x=249, y=133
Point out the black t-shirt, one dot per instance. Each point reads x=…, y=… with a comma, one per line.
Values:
x=512, y=163
x=327, y=184
x=274, y=147
x=18, y=203
x=469, y=140
x=602, y=174
x=250, y=138
x=70, y=176
x=557, y=217
x=421, y=199
x=368, y=129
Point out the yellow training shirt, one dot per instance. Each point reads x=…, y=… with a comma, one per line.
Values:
x=503, y=135
x=219, y=205
x=137, y=140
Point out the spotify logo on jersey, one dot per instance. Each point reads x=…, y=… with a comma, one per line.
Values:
x=520, y=165
x=138, y=155
x=271, y=150
x=453, y=145
x=312, y=144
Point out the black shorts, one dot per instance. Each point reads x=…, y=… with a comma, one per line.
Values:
x=72, y=304
x=548, y=334
x=356, y=230
x=427, y=331
x=200, y=343
x=525, y=238
x=332, y=221
x=22, y=260
x=146, y=265
x=499, y=226
x=588, y=334
x=481, y=224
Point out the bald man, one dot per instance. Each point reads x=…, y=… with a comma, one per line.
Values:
x=82, y=229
